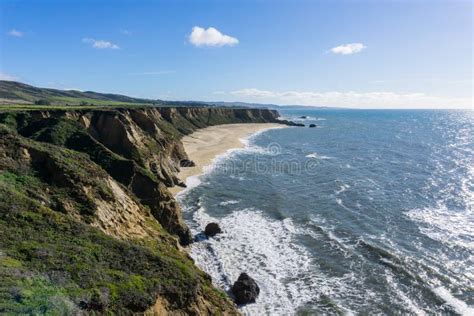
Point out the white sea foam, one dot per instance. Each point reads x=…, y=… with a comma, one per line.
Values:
x=266, y=250
x=454, y=229
x=191, y=182
x=340, y=203
x=317, y=156
x=240, y=178
x=229, y=202
x=459, y=306
x=401, y=295
x=447, y=226
x=343, y=188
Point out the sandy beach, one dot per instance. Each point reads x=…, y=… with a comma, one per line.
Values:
x=205, y=144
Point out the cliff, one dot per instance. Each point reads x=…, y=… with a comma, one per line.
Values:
x=86, y=219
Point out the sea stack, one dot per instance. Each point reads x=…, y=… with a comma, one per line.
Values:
x=212, y=229
x=245, y=289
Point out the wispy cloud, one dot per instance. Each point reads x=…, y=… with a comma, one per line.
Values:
x=466, y=81
x=7, y=77
x=348, y=49
x=15, y=33
x=153, y=73
x=100, y=44
x=125, y=32
x=376, y=99
x=210, y=37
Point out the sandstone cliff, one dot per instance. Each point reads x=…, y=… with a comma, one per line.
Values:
x=87, y=217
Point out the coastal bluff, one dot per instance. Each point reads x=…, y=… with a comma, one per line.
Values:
x=87, y=218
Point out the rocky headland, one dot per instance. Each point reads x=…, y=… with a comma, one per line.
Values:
x=88, y=223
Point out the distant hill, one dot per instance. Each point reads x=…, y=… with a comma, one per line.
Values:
x=12, y=92
x=17, y=93
x=269, y=105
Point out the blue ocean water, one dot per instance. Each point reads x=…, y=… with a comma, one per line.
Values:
x=369, y=212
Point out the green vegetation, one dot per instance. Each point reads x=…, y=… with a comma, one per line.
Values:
x=52, y=261
x=90, y=106
x=20, y=96
x=11, y=91
x=72, y=260
x=69, y=182
x=42, y=102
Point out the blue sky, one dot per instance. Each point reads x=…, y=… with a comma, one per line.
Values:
x=372, y=54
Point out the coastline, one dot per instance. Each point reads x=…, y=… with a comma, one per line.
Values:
x=206, y=144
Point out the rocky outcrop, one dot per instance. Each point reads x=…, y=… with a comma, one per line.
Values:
x=291, y=123
x=89, y=229
x=84, y=193
x=212, y=229
x=245, y=289
x=187, y=163
x=139, y=148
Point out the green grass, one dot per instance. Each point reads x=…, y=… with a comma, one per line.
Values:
x=89, y=101
x=91, y=265
x=52, y=261
x=53, y=170
x=99, y=106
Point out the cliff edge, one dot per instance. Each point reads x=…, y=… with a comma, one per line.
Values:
x=86, y=218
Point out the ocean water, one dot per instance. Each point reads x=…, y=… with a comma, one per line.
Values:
x=370, y=212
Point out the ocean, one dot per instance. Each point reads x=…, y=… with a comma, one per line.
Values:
x=370, y=212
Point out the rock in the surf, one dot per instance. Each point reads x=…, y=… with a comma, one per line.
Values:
x=312, y=125
x=187, y=163
x=245, y=289
x=212, y=229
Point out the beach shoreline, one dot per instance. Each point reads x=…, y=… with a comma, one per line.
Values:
x=204, y=145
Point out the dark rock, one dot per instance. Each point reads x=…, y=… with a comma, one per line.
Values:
x=187, y=163
x=290, y=123
x=181, y=184
x=303, y=117
x=245, y=289
x=212, y=229
x=312, y=125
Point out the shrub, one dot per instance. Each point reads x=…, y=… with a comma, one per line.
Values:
x=42, y=102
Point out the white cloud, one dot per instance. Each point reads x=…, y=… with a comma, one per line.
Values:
x=7, y=77
x=100, y=44
x=348, y=49
x=125, y=32
x=377, y=99
x=210, y=37
x=15, y=33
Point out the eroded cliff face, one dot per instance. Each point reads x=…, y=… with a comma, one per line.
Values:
x=105, y=170
x=141, y=149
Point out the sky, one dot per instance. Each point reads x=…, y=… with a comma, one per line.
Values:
x=360, y=54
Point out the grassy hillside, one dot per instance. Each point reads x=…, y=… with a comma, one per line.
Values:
x=21, y=96
x=12, y=92
x=87, y=223
x=53, y=258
